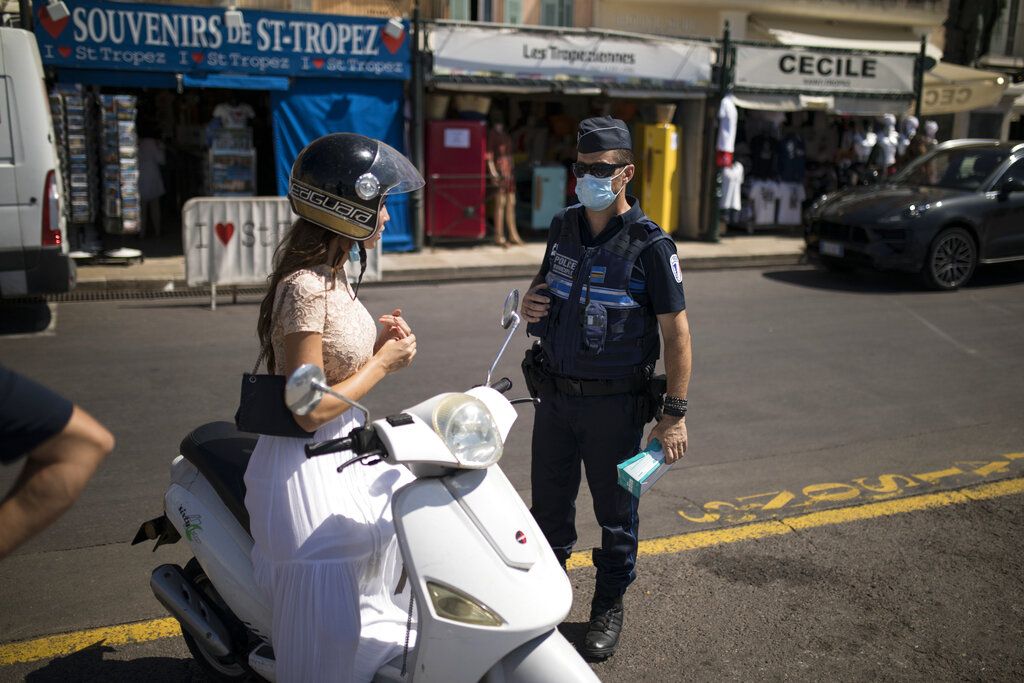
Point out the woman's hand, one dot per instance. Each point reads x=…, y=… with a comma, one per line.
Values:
x=393, y=326
x=395, y=354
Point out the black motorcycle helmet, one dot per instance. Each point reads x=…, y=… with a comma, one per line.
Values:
x=339, y=182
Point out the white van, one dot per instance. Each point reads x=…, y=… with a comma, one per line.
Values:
x=33, y=237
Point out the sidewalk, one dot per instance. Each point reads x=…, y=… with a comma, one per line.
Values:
x=467, y=262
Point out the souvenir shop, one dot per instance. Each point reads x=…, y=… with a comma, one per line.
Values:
x=200, y=103
x=801, y=122
x=502, y=108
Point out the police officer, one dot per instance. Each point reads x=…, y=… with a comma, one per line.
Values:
x=609, y=281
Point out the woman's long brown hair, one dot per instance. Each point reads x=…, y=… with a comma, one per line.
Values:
x=305, y=246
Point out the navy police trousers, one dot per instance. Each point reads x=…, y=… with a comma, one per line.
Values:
x=599, y=432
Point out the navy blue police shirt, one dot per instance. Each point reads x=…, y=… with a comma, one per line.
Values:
x=658, y=266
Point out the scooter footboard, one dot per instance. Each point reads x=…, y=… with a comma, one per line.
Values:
x=546, y=658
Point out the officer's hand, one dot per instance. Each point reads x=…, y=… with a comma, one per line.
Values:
x=535, y=306
x=671, y=432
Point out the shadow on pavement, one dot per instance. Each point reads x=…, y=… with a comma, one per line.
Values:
x=24, y=316
x=89, y=665
x=866, y=281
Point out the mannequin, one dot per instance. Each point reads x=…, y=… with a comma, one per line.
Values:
x=883, y=154
x=499, y=166
x=907, y=132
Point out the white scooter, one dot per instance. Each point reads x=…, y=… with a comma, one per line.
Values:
x=489, y=592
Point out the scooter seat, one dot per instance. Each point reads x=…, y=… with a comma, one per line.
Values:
x=221, y=453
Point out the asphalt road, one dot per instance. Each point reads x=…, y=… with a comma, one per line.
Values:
x=810, y=391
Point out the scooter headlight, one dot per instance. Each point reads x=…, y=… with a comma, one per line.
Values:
x=468, y=429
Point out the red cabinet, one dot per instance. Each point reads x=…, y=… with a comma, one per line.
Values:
x=456, y=179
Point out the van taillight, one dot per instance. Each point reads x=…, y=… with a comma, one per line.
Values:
x=51, y=212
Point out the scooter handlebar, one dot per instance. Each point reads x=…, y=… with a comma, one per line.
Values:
x=502, y=385
x=329, y=446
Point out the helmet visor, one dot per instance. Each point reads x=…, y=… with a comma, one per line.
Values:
x=394, y=172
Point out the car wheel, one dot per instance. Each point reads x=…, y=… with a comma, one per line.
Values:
x=835, y=265
x=951, y=260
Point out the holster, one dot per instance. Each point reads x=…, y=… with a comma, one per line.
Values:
x=651, y=401
x=538, y=380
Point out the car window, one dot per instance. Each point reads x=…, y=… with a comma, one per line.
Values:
x=954, y=169
x=1015, y=172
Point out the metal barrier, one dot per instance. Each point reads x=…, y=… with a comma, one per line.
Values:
x=230, y=241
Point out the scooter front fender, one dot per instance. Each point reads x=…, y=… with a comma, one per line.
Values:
x=442, y=544
x=548, y=657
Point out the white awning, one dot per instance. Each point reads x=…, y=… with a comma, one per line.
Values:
x=837, y=104
x=951, y=88
x=844, y=35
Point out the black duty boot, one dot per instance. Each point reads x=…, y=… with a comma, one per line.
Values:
x=602, y=637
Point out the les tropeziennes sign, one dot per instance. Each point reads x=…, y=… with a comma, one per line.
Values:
x=465, y=50
x=805, y=70
x=108, y=35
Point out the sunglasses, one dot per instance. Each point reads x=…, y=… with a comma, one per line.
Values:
x=598, y=170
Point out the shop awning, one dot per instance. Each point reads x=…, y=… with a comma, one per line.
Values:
x=844, y=35
x=835, y=104
x=528, y=86
x=122, y=79
x=235, y=82
x=951, y=88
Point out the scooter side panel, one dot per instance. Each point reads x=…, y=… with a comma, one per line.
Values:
x=441, y=543
x=222, y=547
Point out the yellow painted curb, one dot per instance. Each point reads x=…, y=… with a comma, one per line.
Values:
x=61, y=645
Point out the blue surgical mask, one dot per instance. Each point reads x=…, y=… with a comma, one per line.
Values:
x=353, y=252
x=596, y=193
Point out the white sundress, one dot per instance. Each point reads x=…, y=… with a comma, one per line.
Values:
x=325, y=549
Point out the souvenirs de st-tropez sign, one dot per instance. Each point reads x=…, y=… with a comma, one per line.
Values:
x=114, y=35
x=528, y=54
x=800, y=69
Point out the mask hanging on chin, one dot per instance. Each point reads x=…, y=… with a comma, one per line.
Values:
x=596, y=193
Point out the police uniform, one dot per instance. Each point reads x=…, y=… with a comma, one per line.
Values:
x=597, y=347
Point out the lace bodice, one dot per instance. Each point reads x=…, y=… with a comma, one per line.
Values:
x=305, y=302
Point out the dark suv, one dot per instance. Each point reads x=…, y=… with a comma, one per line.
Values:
x=959, y=205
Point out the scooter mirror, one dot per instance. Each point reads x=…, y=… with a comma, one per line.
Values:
x=511, y=306
x=301, y=393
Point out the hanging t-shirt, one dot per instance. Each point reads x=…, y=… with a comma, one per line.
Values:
x=234, y=116
x=792, y=159
x=862, y=145
x=791, y=198
x=762, y=153
x=727, y=117
x=763, y=196
x=732, y=182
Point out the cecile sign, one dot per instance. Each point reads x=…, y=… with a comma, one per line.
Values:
x=819, y=71
x=164, y=38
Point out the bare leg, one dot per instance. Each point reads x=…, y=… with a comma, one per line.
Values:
x=510, y=212
x=499, y=218
x=54, y=476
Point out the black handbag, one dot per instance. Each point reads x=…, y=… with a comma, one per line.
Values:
x=261, y=406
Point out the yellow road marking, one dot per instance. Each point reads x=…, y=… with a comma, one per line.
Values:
x=843, y=515
x=50, y=647
x=68, y=643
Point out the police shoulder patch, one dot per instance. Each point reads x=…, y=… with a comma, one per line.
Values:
x=677, y=272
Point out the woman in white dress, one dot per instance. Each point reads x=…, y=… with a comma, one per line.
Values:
x=325, y=549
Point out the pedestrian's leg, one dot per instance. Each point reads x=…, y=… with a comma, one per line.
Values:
x=555, y=475
x=154, y=211
x=499, y=218
x=510, y=217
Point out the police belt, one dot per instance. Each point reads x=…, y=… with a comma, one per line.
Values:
x=600, y=387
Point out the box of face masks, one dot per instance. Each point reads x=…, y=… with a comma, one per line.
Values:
x=638, y=474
